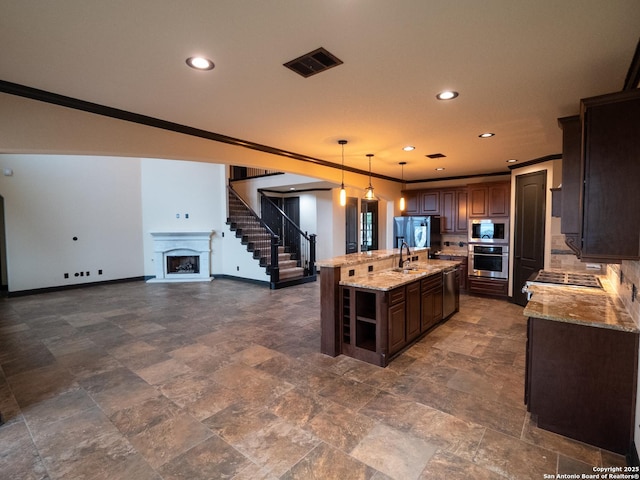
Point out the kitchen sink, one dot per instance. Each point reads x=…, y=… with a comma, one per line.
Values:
x=408, y=271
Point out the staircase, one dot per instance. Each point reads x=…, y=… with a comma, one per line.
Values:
x=261, y=242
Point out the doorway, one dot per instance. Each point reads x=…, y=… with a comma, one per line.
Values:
x=369, y=225
x=351, y=225
x=287, y=231
x=531, y=196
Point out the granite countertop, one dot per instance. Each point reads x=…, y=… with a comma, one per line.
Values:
x=385, y=280
x=581, y=305
x=453, y=253
x=352, y=259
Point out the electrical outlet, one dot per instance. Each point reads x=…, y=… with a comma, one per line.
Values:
x=66, y=275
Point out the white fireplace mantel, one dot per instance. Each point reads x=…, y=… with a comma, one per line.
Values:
x=171, y=244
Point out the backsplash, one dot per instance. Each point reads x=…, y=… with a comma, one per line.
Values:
x=630, y=271
x=454, y=244
x=563, y=258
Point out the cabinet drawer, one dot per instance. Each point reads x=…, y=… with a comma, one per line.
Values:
x=488, y=286
x=434, y=281
x=397, y=295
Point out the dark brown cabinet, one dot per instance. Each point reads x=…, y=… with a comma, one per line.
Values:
x=453, y=212
x=580, y=382
x=450, y=204
x=489, y=286
x=376, y=325
x=600, y=171
x=449, y=212
x=611, y=170
x=430, y=202
x=489, y=200
x=413, y=311
x=397, y=337
x=461, y=224
x=431, y=288
x=569, y=211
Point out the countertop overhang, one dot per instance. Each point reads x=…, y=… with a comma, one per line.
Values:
x=581, y=305
x=360, y=258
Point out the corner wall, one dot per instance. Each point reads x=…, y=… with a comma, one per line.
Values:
x=71, y=214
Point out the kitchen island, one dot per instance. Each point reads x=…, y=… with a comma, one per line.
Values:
x=372, y=310
x=581, y=370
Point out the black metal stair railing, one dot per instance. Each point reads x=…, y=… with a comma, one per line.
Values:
x=301, y=245
x=255, y=233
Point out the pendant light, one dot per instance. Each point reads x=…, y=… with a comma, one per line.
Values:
x=343, y=192
x=368, y=194
x=402, y=203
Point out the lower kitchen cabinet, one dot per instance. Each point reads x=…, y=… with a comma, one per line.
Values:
x=488, y=286
x=413, y=308
x=432, y=297
x=376, y=325
x=580, y=382
x=397, y=320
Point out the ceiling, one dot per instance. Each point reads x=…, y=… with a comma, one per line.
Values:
x=517, y=66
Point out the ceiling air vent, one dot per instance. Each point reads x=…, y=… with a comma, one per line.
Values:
x=436, y=155
x=313, y=62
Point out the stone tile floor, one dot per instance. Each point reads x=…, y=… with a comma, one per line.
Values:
x=225, y=380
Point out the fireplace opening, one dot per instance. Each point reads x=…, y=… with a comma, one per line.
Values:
x=183, y=264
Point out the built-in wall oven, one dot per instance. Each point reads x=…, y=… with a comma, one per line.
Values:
x=490, y=261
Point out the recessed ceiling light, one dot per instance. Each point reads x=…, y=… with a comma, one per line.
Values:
x=447, y=95
x=408, y=148
x=486, y=135
x=292, y=188
x=512, y=160
x=439, y=169
x=200, y=63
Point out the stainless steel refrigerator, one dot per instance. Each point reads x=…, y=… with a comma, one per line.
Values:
x=417, y=231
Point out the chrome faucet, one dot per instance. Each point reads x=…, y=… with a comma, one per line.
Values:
x=401, y=263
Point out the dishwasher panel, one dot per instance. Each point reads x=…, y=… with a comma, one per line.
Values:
x=449, y=293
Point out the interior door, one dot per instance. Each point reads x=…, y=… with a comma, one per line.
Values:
x=369, y=225
x=351, y=225
x=291, y=234
x=270, y=214
x=531, y=195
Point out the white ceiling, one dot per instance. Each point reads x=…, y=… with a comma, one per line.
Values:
x=518, y=65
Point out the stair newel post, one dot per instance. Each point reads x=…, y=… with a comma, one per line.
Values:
x=312, y=254
x=275, y=269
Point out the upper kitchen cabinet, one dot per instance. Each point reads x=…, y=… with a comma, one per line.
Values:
x=570, y=192
x=610, y=176
x=430, y=202
x=449, y=203
x=422, y=202
x=453, y=212
x=412, y=206
x=489, y=200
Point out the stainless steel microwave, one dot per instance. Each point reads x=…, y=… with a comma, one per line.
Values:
x=489, y=230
